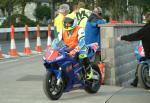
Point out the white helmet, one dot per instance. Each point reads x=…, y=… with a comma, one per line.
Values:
x=64, y=8
x=97, y=10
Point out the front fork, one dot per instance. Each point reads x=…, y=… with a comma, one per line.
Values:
x=59, y=79
x=58, y=74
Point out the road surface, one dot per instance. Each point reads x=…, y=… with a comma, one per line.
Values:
x=21, y=81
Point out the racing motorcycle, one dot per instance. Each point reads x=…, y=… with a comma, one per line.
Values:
x=65, y=73
x=143, y=71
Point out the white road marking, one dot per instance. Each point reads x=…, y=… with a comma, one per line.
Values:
x=9, y=61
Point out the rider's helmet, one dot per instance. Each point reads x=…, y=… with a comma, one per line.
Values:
x=70, y=22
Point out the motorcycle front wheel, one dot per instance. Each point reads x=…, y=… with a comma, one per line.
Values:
x=143, y=76
x=51, y=89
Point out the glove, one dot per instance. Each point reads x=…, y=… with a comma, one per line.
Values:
x=74, y=51
x=94, y=46
x=119, y=38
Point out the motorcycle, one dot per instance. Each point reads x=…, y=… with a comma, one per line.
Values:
x=143, y=71
x=65, y=73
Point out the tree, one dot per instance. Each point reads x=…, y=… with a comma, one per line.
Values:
x=6, y=5
x=143, y=6
x=23, y=4
x=2, y=7
x=42, y=11
x=118, y=8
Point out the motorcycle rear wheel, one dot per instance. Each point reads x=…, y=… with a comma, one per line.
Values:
x=92, y=86
x=143, y=76
x=51, y=89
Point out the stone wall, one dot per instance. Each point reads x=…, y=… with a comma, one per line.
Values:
x=118, y=55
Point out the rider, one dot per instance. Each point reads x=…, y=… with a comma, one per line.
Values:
x=144, y=35
x=73, y=36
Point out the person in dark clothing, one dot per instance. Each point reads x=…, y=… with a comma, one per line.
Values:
x=144, y=35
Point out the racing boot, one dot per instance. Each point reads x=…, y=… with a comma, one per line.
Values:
x=88, y=68
x=89, y=72
x=135, y=82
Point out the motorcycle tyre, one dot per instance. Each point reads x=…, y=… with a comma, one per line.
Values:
x=46, y=87
x=141, y=80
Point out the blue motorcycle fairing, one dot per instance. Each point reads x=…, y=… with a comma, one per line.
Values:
x=71, y=68
x=140, y=59
x=72, y=74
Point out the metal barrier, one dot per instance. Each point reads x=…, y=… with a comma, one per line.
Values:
x=21, y=29
x=26, y=50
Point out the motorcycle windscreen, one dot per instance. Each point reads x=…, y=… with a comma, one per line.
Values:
x=51, y=55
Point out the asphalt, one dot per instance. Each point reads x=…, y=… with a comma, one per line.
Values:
x=21, y=81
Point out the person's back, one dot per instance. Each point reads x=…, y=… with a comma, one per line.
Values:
x=146, y=39
x=58, y=21
x=92, y=31
x=82, y=14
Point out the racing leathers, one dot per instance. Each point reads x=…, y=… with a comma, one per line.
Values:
x=75, y=40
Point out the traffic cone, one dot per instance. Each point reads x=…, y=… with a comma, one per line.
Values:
x=49, y=41
x=26, y=50
x=1, y=56
x=13, y=50
x=38, y=47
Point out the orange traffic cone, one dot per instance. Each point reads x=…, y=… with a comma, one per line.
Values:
x=13, y=50
x=26, y=50
x=1, y=56
x=49, y=41
x=38, y=47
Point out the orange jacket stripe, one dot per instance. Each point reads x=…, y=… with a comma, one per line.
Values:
x=72, y=41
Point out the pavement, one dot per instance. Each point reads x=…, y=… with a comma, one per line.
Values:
x=21, y=81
